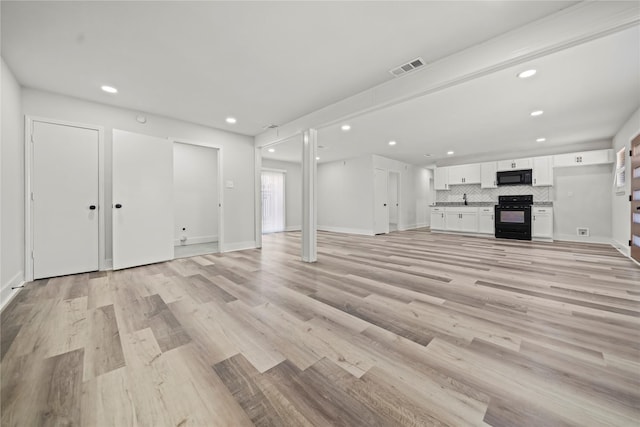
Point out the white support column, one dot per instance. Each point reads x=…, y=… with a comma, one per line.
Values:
x=258, y=196
x=309, y=195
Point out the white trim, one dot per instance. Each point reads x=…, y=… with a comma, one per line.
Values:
x=309, y=196
x=345, y=230
x=273, y=170
x=6, y=293
x=257, y=197
x=28, y=213
x=239, y=246
x=108, y=264
x=405, y=227
x=196, y=240
x=623, y=248
x=578, y=239
x=220, y=237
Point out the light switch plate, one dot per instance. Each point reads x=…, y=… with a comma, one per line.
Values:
x=229, y=184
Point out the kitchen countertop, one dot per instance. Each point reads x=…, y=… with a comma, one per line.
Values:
x=481, y=204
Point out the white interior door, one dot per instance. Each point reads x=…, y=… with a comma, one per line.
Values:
x=394, y=189
x=64, y=183
x=380, y=208
x=142, y=199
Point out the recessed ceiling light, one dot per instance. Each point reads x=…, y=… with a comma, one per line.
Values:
x=541, y=139
x=537, y=113
x=345, y=128
x=392, y=143
x=527, y=73
x=427, y=155
x=109, y=89
x=230, y=120
x=317, y=158
x=271, y=150
x=449, y=153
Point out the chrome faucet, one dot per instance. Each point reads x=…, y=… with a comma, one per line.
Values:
x=464, y=197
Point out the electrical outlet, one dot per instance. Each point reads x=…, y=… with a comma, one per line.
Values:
x=582, y=231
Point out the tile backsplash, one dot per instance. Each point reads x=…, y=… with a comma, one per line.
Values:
x=477, y=194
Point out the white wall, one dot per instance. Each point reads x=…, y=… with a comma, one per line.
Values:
x=293, y=191
x=620, y=207
x=345, y=196
x=195, y=193
x=424, y=195
x=414, y=192
x=237, y=154
x=12, y=185
x=581, y=199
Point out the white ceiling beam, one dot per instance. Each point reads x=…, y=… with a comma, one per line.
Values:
x=568, y=28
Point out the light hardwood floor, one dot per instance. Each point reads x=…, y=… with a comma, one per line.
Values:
x=411, y=328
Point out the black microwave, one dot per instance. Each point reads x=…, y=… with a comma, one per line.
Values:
x=517, y=177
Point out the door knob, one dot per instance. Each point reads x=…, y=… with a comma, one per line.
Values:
x=92, y=207
x=118, y=205
x=385, y=204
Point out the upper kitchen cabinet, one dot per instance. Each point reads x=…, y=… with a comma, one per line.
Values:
x=595, y=157
x=506, y=165
x=441, y=179
x=464, y=174
x=488, y=175
x=543, y=171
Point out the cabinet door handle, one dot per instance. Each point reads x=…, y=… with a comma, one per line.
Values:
x=534, y=217
x=534, y=180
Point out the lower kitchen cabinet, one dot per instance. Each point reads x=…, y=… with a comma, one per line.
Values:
x=437, y=218
x=486, y=222
x=463, y=219
x=542, y=222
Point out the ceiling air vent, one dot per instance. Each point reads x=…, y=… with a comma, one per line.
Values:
x=271, y=126
x=409, y=66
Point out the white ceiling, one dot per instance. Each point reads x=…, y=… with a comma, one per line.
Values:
x=272, y=62
x=261, y=62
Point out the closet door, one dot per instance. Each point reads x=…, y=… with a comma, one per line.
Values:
x=142, y=199
x=64, y=199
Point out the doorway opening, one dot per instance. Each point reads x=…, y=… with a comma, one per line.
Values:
x=273, y=201
x=197, y=199
x=394, y=203
x=635, y=199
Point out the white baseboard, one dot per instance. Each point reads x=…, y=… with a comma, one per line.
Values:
x=405, y=227
x=239, y=246
x=621, y=247
x=293, y=228
x=196, y=240
x=579, y=239
x=6, y=293
x=108, y=264
x=345, y=230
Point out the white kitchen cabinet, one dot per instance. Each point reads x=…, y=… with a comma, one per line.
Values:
x=542, y=222
x=486, y=222
x=584, y=158
x=543, y=171
x=463, y=219
x=488, y=175
x=437, y=218
x=464, y=174
x=441, y=179
x=516, y=164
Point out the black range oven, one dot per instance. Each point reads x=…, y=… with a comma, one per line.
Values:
x=513, y=217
